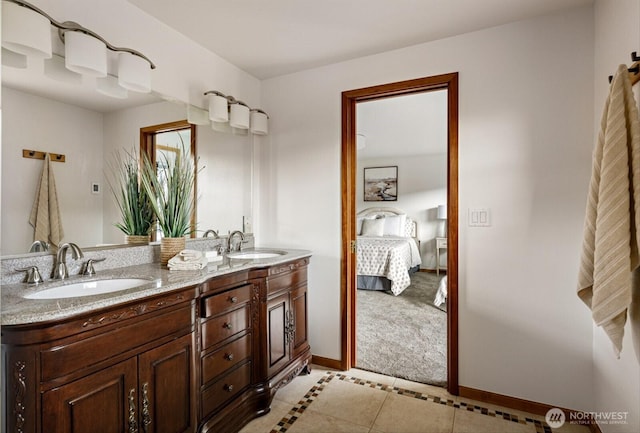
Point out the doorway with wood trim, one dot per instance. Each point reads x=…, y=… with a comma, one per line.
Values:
x=448, y=82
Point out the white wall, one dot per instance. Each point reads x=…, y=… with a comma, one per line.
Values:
x=616, y=381
x=526, y=130
x=422, y=186
x=32, y=122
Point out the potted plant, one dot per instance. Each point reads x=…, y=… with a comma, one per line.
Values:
x=171, y=188
x=134, y=204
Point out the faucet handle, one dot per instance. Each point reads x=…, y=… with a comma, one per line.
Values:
x=88, y=268
x=33, y=274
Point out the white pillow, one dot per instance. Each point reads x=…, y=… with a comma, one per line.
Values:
x=373, y=227
x=394, y=225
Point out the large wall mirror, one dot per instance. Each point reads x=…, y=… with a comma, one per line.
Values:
x=43, y=114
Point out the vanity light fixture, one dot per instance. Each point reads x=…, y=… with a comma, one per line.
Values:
x=26, y=31
x=259, y=122
x=85, y=54
x=197, y=116
x=240, y=117
x=14, y=60
x=55, y=69
x=218, y=106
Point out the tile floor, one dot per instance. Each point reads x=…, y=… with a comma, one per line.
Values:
x=359, y=401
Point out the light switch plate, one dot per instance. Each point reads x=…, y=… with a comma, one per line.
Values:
x=247, y=225
x=479, y=217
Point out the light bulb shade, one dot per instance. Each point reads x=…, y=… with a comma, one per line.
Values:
x=218, y=108
x=134, y=73
x=54, y=68
x=25, y=31
x=442, y=212
x=13, y=60
x=259, y=122
x=239, y=116
x=109, y=86
x=197, y=116
x=85, y=54
x=221, y=127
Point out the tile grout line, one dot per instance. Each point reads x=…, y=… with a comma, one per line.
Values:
x=297, y=410
x=541, y=427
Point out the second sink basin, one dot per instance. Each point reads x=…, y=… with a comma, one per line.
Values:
x=256, y=254
x=88, y=288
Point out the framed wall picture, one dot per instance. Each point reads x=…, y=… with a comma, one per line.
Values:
x=381, y=183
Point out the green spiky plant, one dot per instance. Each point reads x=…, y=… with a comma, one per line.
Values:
x=134, y=204
x=171, y=188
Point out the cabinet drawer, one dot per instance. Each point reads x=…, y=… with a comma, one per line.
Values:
x=226, y=357
x=61, y=360
x=220, y=328
x=225, y=388
x=286, y=281
x=228, y=300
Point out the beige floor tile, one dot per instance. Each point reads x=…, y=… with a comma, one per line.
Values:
x=471, y=422
x=315, y=422
x=402, y=414
x=369, y=375
x=265, y=423
x=494, y=407
x=435, y=391
x=295, y=390
x=350, y=402
x=571, y=428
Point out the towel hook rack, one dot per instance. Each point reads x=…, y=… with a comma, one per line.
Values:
x=634, y=69
x=38, y=154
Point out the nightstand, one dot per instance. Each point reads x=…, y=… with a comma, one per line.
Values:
x=441, y=244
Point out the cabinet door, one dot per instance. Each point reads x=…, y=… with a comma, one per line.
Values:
x=299, y=314
x=278, y=348
x=104, y=402
x=166, y=387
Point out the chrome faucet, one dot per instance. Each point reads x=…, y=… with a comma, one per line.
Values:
x=211, y=231
x=39, y=246
x=230, y=240
x=60, y=271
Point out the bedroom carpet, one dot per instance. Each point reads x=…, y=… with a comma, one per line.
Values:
x=403, y=336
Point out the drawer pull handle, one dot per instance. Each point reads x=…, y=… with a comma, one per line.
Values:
x=228, y=388
x=227, y=325
x=133, y=424
x=146, y=416
x=228, y=356
x=233, y=299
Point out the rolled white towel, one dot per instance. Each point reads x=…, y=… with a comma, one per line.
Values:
x=190, y=255
x=186, y=256
x=180, y=265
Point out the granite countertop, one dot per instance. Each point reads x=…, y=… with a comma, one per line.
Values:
x=18, y=310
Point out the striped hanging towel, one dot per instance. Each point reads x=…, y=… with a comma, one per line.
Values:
x=610, y=246
x=45, y=213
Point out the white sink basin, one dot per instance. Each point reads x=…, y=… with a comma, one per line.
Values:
x=255, y=254
x=88, y=288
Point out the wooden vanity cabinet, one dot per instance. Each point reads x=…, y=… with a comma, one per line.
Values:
x=287, y=345
x=204, y=359
x=126, y=369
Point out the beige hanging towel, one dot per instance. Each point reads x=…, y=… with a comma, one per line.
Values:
x=610, y=247
x=45, y=213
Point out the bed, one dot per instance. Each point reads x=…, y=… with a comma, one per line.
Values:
x=387, y=249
